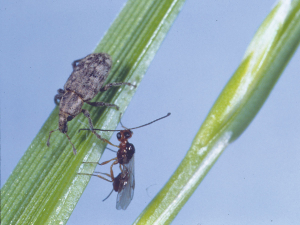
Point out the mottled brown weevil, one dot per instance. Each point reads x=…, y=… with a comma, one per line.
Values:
x=85, y=82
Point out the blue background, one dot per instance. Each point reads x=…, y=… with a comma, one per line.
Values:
x=255, y=181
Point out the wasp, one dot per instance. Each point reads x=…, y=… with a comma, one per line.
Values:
x=124, y=183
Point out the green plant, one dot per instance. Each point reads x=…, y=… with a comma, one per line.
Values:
x=269, y=52
x=55, y=189
x=44, y=187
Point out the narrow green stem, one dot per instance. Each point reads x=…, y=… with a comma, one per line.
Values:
x=265, y=59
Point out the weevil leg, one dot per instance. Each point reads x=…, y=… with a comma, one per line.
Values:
x=69, y=139
x=74, y=149
x=108, y=86
x=75, y=62
x=61, y=91
x=48, y=141
x=98, y=104
x=87, y=115
x=58, y=96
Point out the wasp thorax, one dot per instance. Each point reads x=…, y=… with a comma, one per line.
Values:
x=125, y=154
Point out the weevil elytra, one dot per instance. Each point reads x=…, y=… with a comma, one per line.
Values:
x=85, y=82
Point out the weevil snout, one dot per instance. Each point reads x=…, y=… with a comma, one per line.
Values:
x=62, y=125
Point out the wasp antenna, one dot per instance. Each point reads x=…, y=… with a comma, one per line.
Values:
x=151, y=122
x=84, y=129
x=135, y=127
x=121, y=122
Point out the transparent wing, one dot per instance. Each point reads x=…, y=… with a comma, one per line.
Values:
x=125, y=192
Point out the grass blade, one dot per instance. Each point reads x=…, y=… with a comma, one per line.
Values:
x=269, y=52
x=44, y=187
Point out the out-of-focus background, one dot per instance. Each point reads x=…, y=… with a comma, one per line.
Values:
x=255, y=181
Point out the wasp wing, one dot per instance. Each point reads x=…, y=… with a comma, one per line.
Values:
x=127, y=185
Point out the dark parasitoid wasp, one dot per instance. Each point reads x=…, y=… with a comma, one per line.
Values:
x=124, y=183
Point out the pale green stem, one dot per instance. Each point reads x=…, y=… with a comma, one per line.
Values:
x=269, y=52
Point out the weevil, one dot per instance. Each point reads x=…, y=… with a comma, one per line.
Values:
x=84, y=83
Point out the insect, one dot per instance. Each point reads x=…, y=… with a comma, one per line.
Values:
x=124, y=183
x=85, y=82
